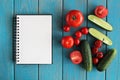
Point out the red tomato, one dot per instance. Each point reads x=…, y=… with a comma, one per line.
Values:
x=74, y=18
x=101, y=11
x=99, y=55
x=76, y=57
x=78, y=34
x=67, y=42
x=84, y=30
x=98, y=43
x=94, y=50
x=95, y=61
x=76, y=41
x=66, y=28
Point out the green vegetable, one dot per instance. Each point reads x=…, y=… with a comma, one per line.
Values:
x=97, y=34
x=100, y=22
x=105, y=62
x=86, y=54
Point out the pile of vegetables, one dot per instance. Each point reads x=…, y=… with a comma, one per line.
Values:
x=85, y=54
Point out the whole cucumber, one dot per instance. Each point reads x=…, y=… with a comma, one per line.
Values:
x=86, y=54
x=105, y=62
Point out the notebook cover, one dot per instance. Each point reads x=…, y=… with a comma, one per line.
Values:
x=33, y=39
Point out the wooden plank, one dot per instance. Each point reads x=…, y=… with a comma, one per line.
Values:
x=26, y=72
x=94, y=74
x=6, y=58
x=53, y=71
x=70, y=70
x=113, y=72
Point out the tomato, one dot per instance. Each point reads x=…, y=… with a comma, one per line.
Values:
x=101, y=11
x=76, y=57
x=74, y=18
x=76, y=41
x=78, y=34
x=66, y=28
x=98, y=43
x=99, y=55
x=94, y=50
x=95, y=61
x=84, y=30
x=67, y=42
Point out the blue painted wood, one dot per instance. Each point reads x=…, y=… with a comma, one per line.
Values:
x=94, y=74
x=70, y=70
x=53, y=71
x=113, y=72
x=62, y=68
x=6, y=56
x=26, y=72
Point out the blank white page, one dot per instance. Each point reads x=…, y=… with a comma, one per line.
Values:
x=35, y=39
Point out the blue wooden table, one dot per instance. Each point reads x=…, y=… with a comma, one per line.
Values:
x=62, y=68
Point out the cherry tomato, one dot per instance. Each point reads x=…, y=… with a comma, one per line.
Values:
x=94, y=50
x=95, y=61
x=98, y=43
x=66, y=28
x=78, y=34
x=67, y=42
x=76, y=57
x=76, y=41
x=99, y=55
x=84, y=30
x=74, y=18
x=101, y=11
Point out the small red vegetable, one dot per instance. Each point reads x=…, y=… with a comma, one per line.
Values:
x=76, y=41
x=95, y=61
x=84, y=30
x=101, y=11
x=94, y=50
x=98, y=43
x=67, y=42
x=76, y=57
x=78, y=34
x=74, y=18
x=99, y=55
x=66, y=28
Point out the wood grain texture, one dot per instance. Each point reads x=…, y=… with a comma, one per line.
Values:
x=70, y=70
x=62, y=68
x=6, y=56
x=113, y=72
x=26, y=72
x=53, y=71
x=95, y=74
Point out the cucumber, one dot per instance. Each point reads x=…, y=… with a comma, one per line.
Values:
x=103, y=24
x=105, y=62
x=97, y=34
x=86, y=54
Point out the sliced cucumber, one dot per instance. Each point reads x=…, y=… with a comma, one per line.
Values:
x=95, y=33
x=100, y=22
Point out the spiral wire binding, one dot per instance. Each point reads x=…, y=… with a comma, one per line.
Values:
x=17, y=40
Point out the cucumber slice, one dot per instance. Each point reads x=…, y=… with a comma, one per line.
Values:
x=100, y=22
x=95, y=33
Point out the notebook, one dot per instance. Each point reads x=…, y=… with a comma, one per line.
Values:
x=33, y=39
